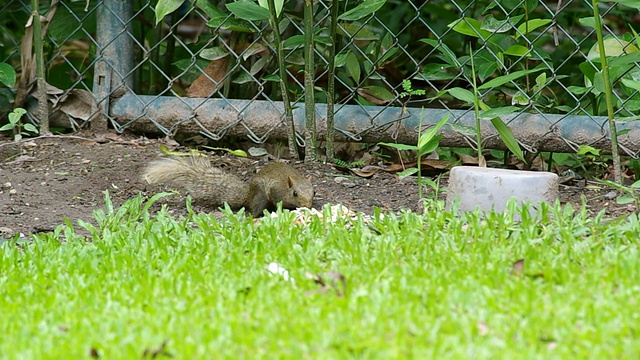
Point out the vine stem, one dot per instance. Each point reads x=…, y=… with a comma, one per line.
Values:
x=608, y=94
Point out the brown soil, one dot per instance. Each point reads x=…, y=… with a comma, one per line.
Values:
x=46, y=180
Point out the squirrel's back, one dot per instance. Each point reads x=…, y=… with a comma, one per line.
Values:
x=204, y=182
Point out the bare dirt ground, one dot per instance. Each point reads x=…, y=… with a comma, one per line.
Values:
x=46, y=180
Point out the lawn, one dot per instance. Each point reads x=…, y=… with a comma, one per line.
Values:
x=557, y=284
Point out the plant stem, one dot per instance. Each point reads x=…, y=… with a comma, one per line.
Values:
x=607, y=95
x=331, y=89
x=476, y=109
x=309, y=93
x=288, y=112
x=43, y=106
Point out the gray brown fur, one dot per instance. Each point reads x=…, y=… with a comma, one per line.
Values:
x=276, y=182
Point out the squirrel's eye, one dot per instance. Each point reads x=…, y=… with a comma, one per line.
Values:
x=295, y=193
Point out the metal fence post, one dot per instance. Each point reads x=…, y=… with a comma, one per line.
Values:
x=113, y=71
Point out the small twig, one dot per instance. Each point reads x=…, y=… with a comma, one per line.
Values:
x=49, y=136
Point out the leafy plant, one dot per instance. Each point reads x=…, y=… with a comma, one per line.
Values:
x=409, y=91
x=493, y=114
x=349, y=164
x=17, y=126
x=630, y=194
x=620, y=68
x=427, y=143
x=8, y=79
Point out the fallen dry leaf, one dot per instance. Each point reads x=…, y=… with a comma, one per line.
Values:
x=483, y=329
x=212, y=79
x=367, y=171
x=153, y=353
x=518, y=268
x=365, y=93
x=331, y=280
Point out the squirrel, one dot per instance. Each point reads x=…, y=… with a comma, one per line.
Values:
x=276, y=182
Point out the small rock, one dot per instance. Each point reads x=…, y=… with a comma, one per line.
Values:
x=13, y=191
x=611, y=195
x=346, y=182
x=340, y=179
x=7, y=184
x=6, y=232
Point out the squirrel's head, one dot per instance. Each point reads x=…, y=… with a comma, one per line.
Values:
x=299, y=194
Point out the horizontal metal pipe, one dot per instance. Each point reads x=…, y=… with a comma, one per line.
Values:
x=261, y=120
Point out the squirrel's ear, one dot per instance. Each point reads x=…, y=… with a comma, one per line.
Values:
x=289, y=181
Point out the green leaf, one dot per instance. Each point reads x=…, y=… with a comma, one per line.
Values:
x=501, y=80
x=428, y=135
x=407, y=172
x=588, y=70
x=341, y=59
x=463, y=129
x=470, y=27
x=435, y=71
x=598, y=82
x=248, y=10
x=431, y=146
x=462, y=94
x=231, y=24
x=259, y=64
x=293, y=41
x=490, y=23
x=357, y=32
x=449, y=56
x=586, y=149
x=388, y=54
x=625, y=199
x=353, y=67
x=166, y=7
x=31, y=128
x=578, y=90
x=531, y=25
x=613, y=47
x=242, y=78
x=633, y=84
x=507, y=138
x=632, y=56
x=272, y=77
x=520, y=98
x=635, y=185
x=398, y=146
x=277, y=3
x=365, y=8
x=486, y=69
x=7, y=75
x=379, y=92
x=630, y=3
x=209, y=9
x=214, y=53
x=16, y=115
x=497, y=112
x=588, y=22
x=517, y=50
x=541, y=82
x=7, y=127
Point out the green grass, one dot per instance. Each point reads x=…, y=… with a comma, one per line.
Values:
x=435, y=286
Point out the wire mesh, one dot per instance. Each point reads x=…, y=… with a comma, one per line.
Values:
x=203, y=51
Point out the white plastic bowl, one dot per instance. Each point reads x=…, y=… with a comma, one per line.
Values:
x=489, y=188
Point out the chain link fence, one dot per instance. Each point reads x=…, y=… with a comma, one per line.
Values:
x=202, y=67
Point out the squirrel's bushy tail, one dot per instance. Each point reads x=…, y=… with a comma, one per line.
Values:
x=203, y=181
